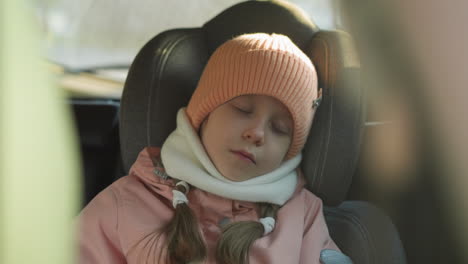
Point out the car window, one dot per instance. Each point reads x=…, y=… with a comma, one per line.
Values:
x=106, y=35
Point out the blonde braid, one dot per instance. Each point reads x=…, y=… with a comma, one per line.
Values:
x=237, y=238
x=184, y=240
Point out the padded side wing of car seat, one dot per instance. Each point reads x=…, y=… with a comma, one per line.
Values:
x=364, y=233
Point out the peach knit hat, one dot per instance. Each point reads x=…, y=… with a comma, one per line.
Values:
x=260, y=64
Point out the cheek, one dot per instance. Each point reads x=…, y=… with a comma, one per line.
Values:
x=283, y=142
x=211, y=136
x=279, y=149
x=205, y=135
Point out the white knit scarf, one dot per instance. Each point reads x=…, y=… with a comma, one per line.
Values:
x=185, y=158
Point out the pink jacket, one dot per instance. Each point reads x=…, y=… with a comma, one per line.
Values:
x=118, y=225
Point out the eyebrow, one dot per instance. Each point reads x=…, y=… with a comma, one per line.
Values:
x=283, y=113
x=249, y=98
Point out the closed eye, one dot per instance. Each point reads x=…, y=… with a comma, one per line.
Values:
x=242, y=110
x=279, y=129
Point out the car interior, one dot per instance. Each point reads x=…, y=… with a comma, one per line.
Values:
x=163, y=76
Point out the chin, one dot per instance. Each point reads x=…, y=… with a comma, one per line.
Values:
x=235, y=178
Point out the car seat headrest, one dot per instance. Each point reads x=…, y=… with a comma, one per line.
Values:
x=278, y=17
x=166, y=71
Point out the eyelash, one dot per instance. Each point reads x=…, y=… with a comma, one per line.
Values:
x=274, y=127
x=278, y=130
x=242, y=110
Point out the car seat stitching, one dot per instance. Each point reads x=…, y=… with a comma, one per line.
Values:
x=325, y=143
x=354, y=220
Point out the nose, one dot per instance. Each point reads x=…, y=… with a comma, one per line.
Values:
x=255, y=134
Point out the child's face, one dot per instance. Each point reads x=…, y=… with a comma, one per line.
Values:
x=247, y=136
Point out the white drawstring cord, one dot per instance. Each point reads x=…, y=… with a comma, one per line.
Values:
x=186, y=186
x=179, y=197
x=268, y=224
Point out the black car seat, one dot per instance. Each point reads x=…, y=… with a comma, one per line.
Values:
x=165, y=73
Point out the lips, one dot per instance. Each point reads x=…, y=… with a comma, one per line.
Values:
x=245, y=155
